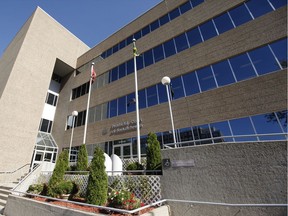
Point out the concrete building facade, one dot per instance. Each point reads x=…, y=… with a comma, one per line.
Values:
x=227, y=61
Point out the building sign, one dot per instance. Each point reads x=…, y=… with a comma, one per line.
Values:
x=124, y=127
x=177, y=163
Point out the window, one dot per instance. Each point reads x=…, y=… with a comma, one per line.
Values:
x=196, y=2
x=45, y=125
x=194, y=37
x=122, y=104
x=158, y=53
x=280, y=50
x=130, y=66
x=185, y=134
x=181, y=43
x=154, y=25
x=142, y=99
x=174, y=13
x=148, y=58
x=114, y=74
x=263, y=125
x=131, y=102
x=185, y=7
x=152, y=96
x=242, y=67
x=164, y=19
x=176, y=86
x=115, y=48
x=122, y=44
x=240, y=15
x=282, y=116
x=139, y=61
x=145, y=30
x=169, y=48
x=258, y=7
x=206, y=79
x=242, y=126
x=208, y=30
x=98, y=111
x=191, y=84
x=81, y=90
x=221, y=130
x=263, y=60
x=223, y=73
x=223, y=23
x=137, y=35
x=113, y=108
x=162, y=93
x=91, y=115
x=278, y=3
x=51, y=99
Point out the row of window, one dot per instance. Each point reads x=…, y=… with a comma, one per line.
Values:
x=45, y=125
x=262, y=127
x=80, y=90
x=257, y=62
x=152, y=26
x=51, y=99
x=218, y=25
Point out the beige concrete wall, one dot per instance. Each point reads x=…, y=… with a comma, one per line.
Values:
x=22, y=102
x=243, y=173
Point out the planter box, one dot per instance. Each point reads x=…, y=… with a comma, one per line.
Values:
x=17, y=205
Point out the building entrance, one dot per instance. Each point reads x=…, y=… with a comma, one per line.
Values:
x=123, y=151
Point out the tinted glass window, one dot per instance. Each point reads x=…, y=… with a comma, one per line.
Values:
x=113, y=108
x=122, y=104
x=181, y=42
x=202, y=132
x=114, y=74
x=223, y=23
x=146, y=30
x=280, y=50
x=103, y=55
x=194, y=36
x=208, y=30
x=115, y=48
x=190, y=83
x=131, y=103
x=50, y=99
x=142, y=99
x=258, y=7
x=185, y=134
x=108, y=52
x=137, y=35
x=44, y=125
x=242, y=126
x=206, y=79
x=104, y=111
x=278, y=3
x=140, y=63
x=130, y=66
x=154, y=25
x=122, y=44
x=162, y=93
x=221, y=129
x=177, y=88
x=169, y=48
x=263, y=60
x=185, y=7
x=151, y=96
x=129, y=40
x=158, y=53
x=223, y=73
x=122, y=70
x=240, y=15
x=175, y=13
x=282, y=116
x=148, y=58
x=98, y=111
x=164, y=19
x=242, y=67
x=196, y=2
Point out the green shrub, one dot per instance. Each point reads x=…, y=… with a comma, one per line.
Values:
x=82, y=161
x=58, y=172
x=66, y=187
x=135, y=166
x=35, y=189
x=153, y=156
x=98, y=180
x=123, y=199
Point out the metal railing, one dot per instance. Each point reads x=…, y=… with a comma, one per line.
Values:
x=14, y=175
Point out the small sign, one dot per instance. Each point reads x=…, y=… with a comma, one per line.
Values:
x=167, y=163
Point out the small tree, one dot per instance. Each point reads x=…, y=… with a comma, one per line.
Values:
x=58, y=172
x=153, y=156
x=97, y=187
x=82, y=161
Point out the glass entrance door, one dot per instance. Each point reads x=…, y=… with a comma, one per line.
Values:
x=123, y=151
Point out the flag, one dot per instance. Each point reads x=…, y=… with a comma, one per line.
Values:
x=135, y=52
x=93, y=73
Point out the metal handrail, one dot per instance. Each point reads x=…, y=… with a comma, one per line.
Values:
x=10, y=172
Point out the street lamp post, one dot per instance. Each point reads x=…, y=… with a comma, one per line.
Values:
x=74, y=115
x=166, y=81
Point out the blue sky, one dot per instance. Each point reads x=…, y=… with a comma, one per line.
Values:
x=90, y=20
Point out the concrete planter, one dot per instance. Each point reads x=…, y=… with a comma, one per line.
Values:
x=17, y=205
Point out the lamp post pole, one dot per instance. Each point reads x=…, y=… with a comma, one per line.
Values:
x=166, y=81
x=74, y=115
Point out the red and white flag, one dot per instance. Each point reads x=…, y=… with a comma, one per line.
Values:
x=93, y=73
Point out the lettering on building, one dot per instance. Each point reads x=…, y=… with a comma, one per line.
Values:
x=124, y=127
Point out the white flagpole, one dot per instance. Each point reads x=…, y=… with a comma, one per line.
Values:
x=88, y=104
x=137, y=103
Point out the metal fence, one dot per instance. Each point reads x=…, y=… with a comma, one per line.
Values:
x=146, y=187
